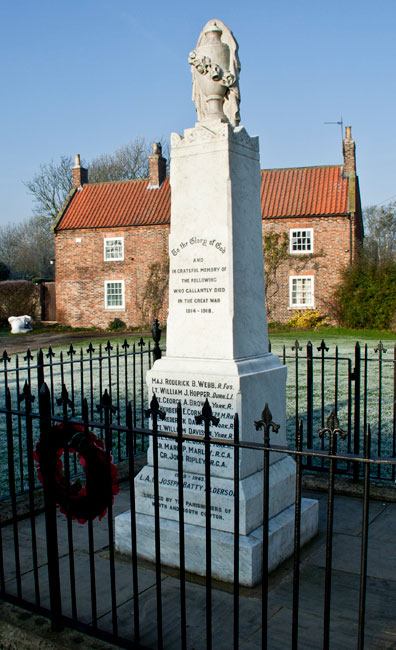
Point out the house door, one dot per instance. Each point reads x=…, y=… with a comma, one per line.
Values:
x=48, y=301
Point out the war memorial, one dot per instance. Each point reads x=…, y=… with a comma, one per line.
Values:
x=217, y=343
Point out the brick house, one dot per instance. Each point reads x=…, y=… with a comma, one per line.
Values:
x=111, y=240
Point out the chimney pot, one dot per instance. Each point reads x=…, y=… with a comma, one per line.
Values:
x=349, y=152
x=157, y=167
x=80, y=174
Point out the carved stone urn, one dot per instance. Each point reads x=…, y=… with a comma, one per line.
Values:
x=211, y=61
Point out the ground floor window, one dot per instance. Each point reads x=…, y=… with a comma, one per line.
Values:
x=301, y=291
x=114, y=294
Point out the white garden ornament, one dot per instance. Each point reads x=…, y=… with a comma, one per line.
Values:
x=20, y=324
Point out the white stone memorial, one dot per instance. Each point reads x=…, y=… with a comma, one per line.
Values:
x=217, y=343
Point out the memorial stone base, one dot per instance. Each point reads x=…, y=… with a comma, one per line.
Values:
x=230, y=386
x=281, y=539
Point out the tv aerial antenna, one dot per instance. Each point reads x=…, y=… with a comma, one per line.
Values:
x=341, y=123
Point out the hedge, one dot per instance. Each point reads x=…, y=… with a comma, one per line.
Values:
x=366, y=296
x=17, y=298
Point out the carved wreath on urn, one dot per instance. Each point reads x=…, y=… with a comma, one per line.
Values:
x=204, y=66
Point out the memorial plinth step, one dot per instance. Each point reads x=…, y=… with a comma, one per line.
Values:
x=280, y=543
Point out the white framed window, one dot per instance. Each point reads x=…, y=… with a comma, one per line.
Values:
x=301, y=291
x=301, y=240
x=113, y=248
x=114, y=294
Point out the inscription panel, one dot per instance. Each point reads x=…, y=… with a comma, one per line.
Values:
x=192, y=393
x=198, y=276
x=222, y=491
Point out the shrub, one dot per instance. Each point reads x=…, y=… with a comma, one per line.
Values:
x=366, y=295
x=155, y=291
x=307, y=319
x=117, y=324
x=17, y=298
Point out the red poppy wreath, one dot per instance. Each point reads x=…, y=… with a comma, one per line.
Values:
x=101, y=477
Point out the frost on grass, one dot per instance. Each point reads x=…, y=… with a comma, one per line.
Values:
x=90, y=374
x=334, y=388
x=123, y=375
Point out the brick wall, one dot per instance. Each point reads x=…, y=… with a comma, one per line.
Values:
x=81, y=273
x=81, y=270
x=331, y=252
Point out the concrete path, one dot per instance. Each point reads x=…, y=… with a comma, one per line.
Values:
x=381, y=586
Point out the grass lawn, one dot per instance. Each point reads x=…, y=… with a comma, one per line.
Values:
x=333, y=335
x=335, y=389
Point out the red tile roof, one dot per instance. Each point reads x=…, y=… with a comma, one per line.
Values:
x=114, y=204
x=305, y=191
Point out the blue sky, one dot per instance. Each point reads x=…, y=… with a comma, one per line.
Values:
x=86, y=77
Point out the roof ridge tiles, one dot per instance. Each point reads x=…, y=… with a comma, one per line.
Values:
x=125, y=180
x=280, y=169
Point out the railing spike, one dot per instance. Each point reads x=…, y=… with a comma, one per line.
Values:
x=50, y=353
x=380, y=348
x=155, y=409
x=29, y=356
x=5, y=357
x=332, y=427
x=207, y=415
x=322, y=347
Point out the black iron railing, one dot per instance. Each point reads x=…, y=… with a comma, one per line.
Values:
x=360, y=388
x=85, y=374
x=43, y=576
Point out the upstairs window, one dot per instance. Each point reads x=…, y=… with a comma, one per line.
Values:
x=301, y=291
x=301, y=241
x=114, y=294
x=113, y=248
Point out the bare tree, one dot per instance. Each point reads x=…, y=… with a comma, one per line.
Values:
x=380, y=236
x=126, y=163
x=27, y=248
x=51, y=185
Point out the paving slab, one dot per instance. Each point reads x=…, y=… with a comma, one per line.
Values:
x=380, y=598
x=222, y=617
x=347, y=554
x=343, y=635
x=380, y=630
x=384, y=526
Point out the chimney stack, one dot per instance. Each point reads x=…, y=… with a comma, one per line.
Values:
x=80, y=174
x=348, y=150
x=157, y=167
